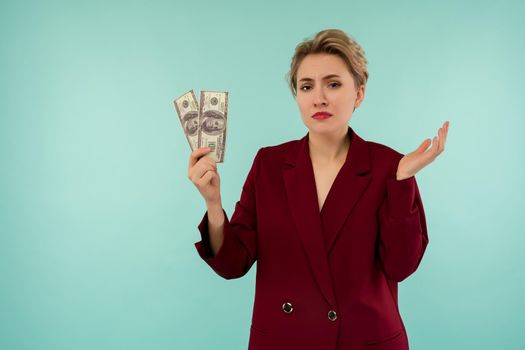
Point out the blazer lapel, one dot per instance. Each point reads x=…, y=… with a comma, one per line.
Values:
x=318, y=231
x=349, y=185
x=302, y=198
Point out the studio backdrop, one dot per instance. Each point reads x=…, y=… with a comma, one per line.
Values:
x=98, y=218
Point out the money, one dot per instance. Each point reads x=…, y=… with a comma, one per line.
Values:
x=188, y=111
x=204, y=123
x=213, y=117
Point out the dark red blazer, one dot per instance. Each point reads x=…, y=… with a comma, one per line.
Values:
x=325, y=280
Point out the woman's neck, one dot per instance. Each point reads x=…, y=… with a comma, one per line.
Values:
x=327, y=148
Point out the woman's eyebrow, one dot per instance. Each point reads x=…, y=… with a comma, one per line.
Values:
x=325, y=78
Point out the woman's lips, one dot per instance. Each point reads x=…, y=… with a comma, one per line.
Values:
x=321, y=115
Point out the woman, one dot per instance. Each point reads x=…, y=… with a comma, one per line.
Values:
x=334, y=221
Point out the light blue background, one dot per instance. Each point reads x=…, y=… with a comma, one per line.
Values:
x=98, y=219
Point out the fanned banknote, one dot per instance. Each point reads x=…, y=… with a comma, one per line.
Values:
x=188, y=111
x=213, y=117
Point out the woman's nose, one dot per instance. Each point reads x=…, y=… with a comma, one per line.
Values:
x=319, y=98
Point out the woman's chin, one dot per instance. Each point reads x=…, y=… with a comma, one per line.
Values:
x=325, y=128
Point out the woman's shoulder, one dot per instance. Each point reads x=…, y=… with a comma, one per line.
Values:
x=383, y=159
x=278, y=151
x=377, y=151
x=380, y=150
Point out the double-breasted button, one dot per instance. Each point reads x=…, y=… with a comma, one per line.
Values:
x=332, y=316
x=287, y=307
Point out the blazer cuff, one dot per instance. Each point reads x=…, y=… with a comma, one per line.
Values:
x=401, y=197
x=203, y=246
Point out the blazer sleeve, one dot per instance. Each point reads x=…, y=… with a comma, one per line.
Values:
x=238, y=251
x=403, y=235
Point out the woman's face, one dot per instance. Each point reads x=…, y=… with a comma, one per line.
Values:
x=324, y=84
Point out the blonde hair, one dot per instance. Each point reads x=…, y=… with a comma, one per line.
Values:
x=335, y=42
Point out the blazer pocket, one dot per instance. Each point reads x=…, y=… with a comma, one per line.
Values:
x=258, y=330
x=260, y=339
x=386, y=339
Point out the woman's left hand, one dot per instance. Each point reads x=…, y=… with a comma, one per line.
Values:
x=413, y=162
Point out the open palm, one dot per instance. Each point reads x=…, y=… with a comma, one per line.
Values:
x=413, y=162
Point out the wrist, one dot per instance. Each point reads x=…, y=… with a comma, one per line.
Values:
x=400, y=176
x=215, y=204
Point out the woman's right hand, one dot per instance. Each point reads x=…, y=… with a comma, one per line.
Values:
x=202, y=171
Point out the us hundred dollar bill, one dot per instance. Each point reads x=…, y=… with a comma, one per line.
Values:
x=188, y=111
x=213, y=119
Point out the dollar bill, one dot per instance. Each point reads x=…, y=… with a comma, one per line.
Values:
x=213, y=117
x=188, y=111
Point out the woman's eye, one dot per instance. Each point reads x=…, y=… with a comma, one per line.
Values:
x=332, y=84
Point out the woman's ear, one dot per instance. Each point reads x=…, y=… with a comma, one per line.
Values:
x=360, y=96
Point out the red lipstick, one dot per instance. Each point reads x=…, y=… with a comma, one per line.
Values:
x=321, y=115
